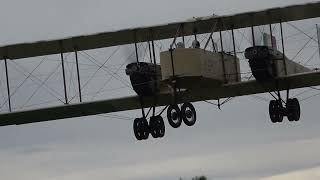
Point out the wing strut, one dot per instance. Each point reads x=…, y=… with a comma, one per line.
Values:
x=63, y=74
x=78, y=73
x=284, y=57
x=222, y=55
x=271, y=36
x=235, y=54
x=8, y=85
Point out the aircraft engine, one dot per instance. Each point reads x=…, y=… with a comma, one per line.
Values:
x=144, y=77
x=261, y=63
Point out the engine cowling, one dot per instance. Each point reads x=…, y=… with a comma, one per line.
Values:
x=143, y=77
x=261, y=63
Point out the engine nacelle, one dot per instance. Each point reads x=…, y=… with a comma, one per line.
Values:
x=261, y=63
x=144, y=77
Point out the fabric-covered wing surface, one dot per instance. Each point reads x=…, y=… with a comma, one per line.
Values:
x=202, y=25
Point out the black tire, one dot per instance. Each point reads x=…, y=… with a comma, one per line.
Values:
x=137, y=129
x=293, y=109
x=276, y=111
x=145, y=128
x=161, y=127
x=188, y=114
x=173, y=115
x=153, y=126
x=296, y=101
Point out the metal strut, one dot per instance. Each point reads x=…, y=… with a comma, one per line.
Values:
x=235, y=55
x=253, y=38
x=182, y=34
x=155, y=80
x=136, y=47
x=8, y=85
x=142, y=108
x=174, y=82
x=222, y=57
x=63, y=74
x=283, y=54
x=150, y=53
x=271, y=36
x=78, y=73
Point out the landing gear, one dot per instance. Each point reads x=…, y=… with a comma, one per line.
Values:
x=291, y=109
x=142, y=128
x=156, y=126
x=187, y=114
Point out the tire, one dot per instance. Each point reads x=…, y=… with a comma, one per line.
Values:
x=188, y=114
x=145, y=128
x=161, y=127
x=296, y=101
x=137, y=129
x=276, y=111
x=293, y=109
x=153, y=126
x=173, y=115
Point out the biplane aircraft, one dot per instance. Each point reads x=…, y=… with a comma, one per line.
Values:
x=184, y=74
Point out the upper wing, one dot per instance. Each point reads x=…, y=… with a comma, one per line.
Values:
x=128, y=36
x=130, y=103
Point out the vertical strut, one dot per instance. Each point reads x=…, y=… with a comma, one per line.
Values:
x=142, y=106
x=8, y=85
x=172, y=64
x=63, y=74
x=283, y=53
x=150, y=53
x=318, y=35
x=154, y=53
x=271, y=36
x=182, y=33
x=156, y=75
x=253, y=38
x=136, y=47
x=78, y=73
x=213, y=46
x=235, y=55
x=222, y=57
x=137, y=55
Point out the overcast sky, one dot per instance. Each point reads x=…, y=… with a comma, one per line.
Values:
x=237, y=142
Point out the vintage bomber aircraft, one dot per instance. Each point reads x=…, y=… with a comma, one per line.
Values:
x=184, y=75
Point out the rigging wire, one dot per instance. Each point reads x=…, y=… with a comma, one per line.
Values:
x=53, y=72
x=27, y=77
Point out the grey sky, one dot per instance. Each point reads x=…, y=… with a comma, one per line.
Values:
x=238, y=142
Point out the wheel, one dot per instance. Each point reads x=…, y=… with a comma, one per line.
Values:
x=154, y=127
x=141, y=128
x=145, y=128
x=137, y=129
x=173, y=115
x=157, y=127
x=293, y=109
x=276, y=111
x=161, y=126
x=188, y=114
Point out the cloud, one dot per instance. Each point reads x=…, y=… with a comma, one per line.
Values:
x=310, y=174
